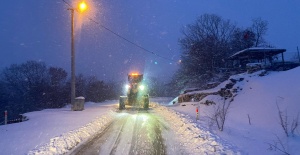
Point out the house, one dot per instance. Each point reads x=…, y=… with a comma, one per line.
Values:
x=267, y=58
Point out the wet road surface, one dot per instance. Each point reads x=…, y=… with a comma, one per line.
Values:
x=133, y=132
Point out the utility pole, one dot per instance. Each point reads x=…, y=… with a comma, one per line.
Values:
x=72, y=59
x=81, y=8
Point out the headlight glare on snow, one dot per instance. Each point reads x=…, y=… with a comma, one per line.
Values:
x=142, y=87
x=127, y=86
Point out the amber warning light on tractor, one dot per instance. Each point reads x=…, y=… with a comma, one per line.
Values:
x=135, y=77
x=134, y=74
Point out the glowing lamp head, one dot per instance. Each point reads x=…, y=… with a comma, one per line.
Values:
x=82, y=6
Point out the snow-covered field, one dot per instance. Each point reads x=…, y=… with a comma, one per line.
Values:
x=252, y=125
x=46, y=127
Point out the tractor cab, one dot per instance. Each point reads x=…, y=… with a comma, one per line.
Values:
x=136, y=93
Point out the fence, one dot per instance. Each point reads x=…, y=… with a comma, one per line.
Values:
x=292, y=56
x=20, y=118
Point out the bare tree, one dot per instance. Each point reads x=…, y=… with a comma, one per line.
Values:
x=95, y=90
x=205, y=44
x=57, y=93
x=285, y=123
x=259, y=27
x=220, y=113
x=26, y=84
x=242, y=39
x=58, y=76
x=295, y=124
x=278, y=145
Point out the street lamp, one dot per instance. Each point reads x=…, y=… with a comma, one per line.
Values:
x=81, y=7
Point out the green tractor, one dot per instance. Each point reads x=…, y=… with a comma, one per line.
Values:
x=136, y=93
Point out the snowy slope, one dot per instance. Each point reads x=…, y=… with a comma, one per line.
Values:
x=258, y=99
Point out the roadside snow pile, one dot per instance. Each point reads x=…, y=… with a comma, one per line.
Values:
x=191, y=137
x=67, y=141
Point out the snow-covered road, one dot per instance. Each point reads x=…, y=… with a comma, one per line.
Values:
x=102, y=129
x=158, y=130
x=131, y=132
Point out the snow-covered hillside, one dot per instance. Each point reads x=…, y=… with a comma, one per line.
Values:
x=253, y=122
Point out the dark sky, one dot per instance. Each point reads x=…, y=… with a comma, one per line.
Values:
x=40, y=30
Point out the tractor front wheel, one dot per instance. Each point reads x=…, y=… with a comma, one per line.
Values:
x=146, y=102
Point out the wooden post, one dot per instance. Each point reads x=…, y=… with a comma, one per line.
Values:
x=5, y=117
x=197, y=113
x=249, y=119
x=282, y=61
x=265, y=58
x=298, y=53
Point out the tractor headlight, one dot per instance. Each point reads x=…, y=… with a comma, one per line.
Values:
x=142, y=87
x=127, y=86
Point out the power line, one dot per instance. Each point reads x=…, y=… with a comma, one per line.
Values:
x=116, y=34
x=67, y=3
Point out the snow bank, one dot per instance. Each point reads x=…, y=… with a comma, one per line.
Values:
x=190, y=135
x=54, y=124
x=161, y=100
x=67, y=141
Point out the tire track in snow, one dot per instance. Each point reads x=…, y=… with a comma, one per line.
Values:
x=117, y=141
x=131, y=132
x=147, y=137
x=93, y=146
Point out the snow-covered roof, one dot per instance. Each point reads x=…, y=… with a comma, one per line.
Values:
x=257, y=53
x=80, y=98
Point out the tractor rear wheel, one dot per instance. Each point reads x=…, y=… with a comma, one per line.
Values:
x=122, y=102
